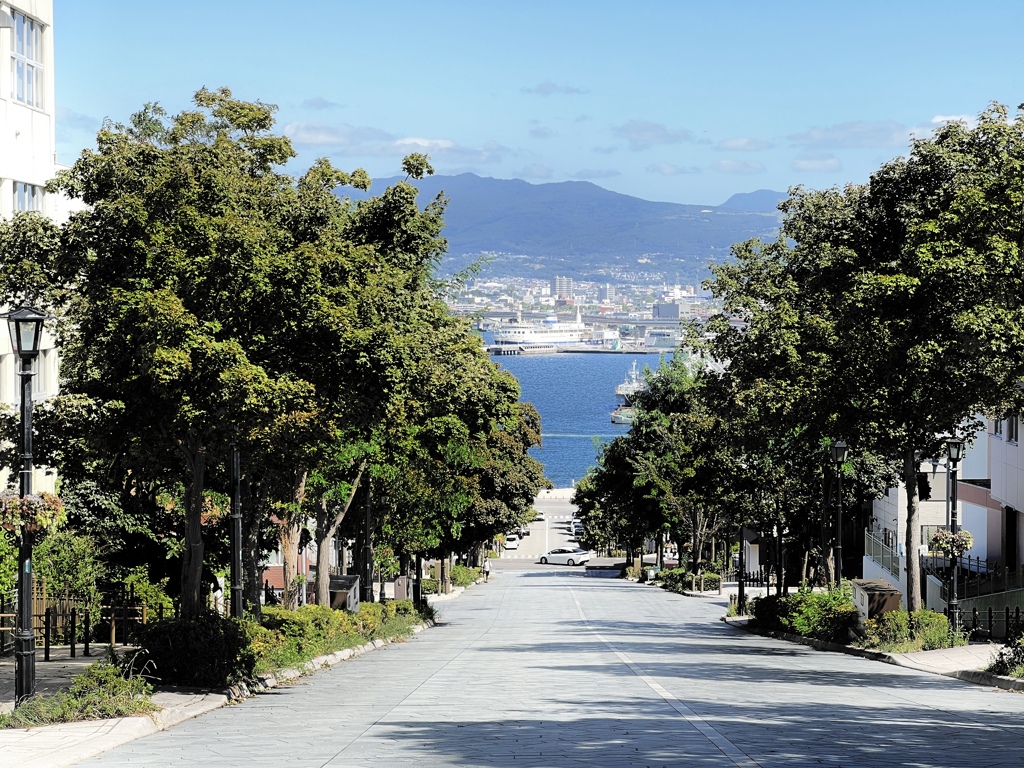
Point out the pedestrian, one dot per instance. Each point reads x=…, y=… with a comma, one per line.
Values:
x=487, y=569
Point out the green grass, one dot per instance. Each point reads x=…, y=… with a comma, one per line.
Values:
x=99, y=693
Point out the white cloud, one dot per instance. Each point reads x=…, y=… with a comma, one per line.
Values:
x=591, y=173
x=319, y=102
x=343, y=135
x=971, y=120
x=549, y=88
x=541, y=133
x=860, y=134
x=743, y=145
x=76, y=120
x=372, y=142
x=744, y=167
x=668, y=169
x=642, y=134
x=535, y=171
x=425, y=145
x=816, y=162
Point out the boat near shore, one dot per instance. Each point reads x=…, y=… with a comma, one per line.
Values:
x=625, y=396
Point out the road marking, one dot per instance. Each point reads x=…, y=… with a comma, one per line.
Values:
x=736, y=755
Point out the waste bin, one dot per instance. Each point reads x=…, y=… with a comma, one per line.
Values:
x=345, y=593
x=873, y=597
x=402, y=588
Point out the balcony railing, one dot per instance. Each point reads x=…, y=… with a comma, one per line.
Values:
x=882, y=554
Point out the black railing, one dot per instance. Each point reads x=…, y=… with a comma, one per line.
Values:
x=977, y=576
x=992, y=623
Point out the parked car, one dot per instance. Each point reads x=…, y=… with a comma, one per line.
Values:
x=512, y=541
x=566, y=556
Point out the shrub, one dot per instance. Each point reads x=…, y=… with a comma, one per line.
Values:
x=208, y=651
x=902, y=632
x=680, y=580
x=1010, y=660
x=371, y=617
x=214, y=651
x=632, y=572
x=429, y=587
x=465, y=577
x=101, y=692
x=932, y=631
x=890, y=628
x=818, y=615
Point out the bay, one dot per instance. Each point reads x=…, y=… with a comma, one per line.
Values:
x=575, y=395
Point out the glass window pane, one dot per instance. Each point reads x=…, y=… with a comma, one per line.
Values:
x=19, y=81
x=19, y=34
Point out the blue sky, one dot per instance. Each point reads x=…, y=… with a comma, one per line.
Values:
x=674, y=100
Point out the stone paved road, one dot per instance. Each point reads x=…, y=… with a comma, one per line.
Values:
x=549, y=668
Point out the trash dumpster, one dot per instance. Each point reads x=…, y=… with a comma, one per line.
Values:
x=873, y=597
x=345, y=593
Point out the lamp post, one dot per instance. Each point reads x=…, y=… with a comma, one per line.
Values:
x=26, y=327
x=955, y=449
x=237, y=606
x=839, y=451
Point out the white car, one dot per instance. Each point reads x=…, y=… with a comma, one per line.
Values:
x=512, y=541
x=566, y=556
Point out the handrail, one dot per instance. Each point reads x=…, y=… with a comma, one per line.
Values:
x=882, y=554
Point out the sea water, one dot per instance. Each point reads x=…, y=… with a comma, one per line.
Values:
x=575, y=396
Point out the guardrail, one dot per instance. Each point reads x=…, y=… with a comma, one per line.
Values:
x=882, y=554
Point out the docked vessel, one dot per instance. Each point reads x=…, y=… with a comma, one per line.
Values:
x=623, y=415
x=627, y=391
x=625, y=396
x=550, y=332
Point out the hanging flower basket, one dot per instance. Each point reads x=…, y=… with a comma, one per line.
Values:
x=36, y=511
x=952, y=544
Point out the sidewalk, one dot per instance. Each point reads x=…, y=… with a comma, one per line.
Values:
x=56, y=746
x=965, y=662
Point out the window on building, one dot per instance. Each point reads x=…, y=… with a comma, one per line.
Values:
x=1012, y=424
x=27, y=61
x=997, y=427
x=27, y=197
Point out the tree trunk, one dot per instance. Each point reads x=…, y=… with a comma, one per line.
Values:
x=192, y=558
x=290, y=530
x=253, y=510
x=327, y=525
x=913, y=536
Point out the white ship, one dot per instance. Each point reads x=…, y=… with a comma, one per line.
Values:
x=628, y=390
x=551, y=331
x=625, y=394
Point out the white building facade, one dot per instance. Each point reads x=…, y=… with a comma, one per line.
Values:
x=27, y=163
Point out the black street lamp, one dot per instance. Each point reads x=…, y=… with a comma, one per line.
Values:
x=237, y=607
x=955, y=449
x=839, y=451
x=26, y=327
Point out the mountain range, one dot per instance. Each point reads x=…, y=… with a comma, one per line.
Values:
x=578, y=229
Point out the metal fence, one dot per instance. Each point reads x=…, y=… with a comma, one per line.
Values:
x=992, y=623
x=882, y=554
x=976, y=576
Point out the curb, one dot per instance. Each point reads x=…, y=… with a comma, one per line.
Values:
x=63, y=744
x=281, y=676
x=976, y=676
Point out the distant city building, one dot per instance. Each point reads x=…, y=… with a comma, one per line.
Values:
x=562, y=287
x=607, y=293
x=665, y=312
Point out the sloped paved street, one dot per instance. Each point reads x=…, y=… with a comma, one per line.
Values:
x=548, y=668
